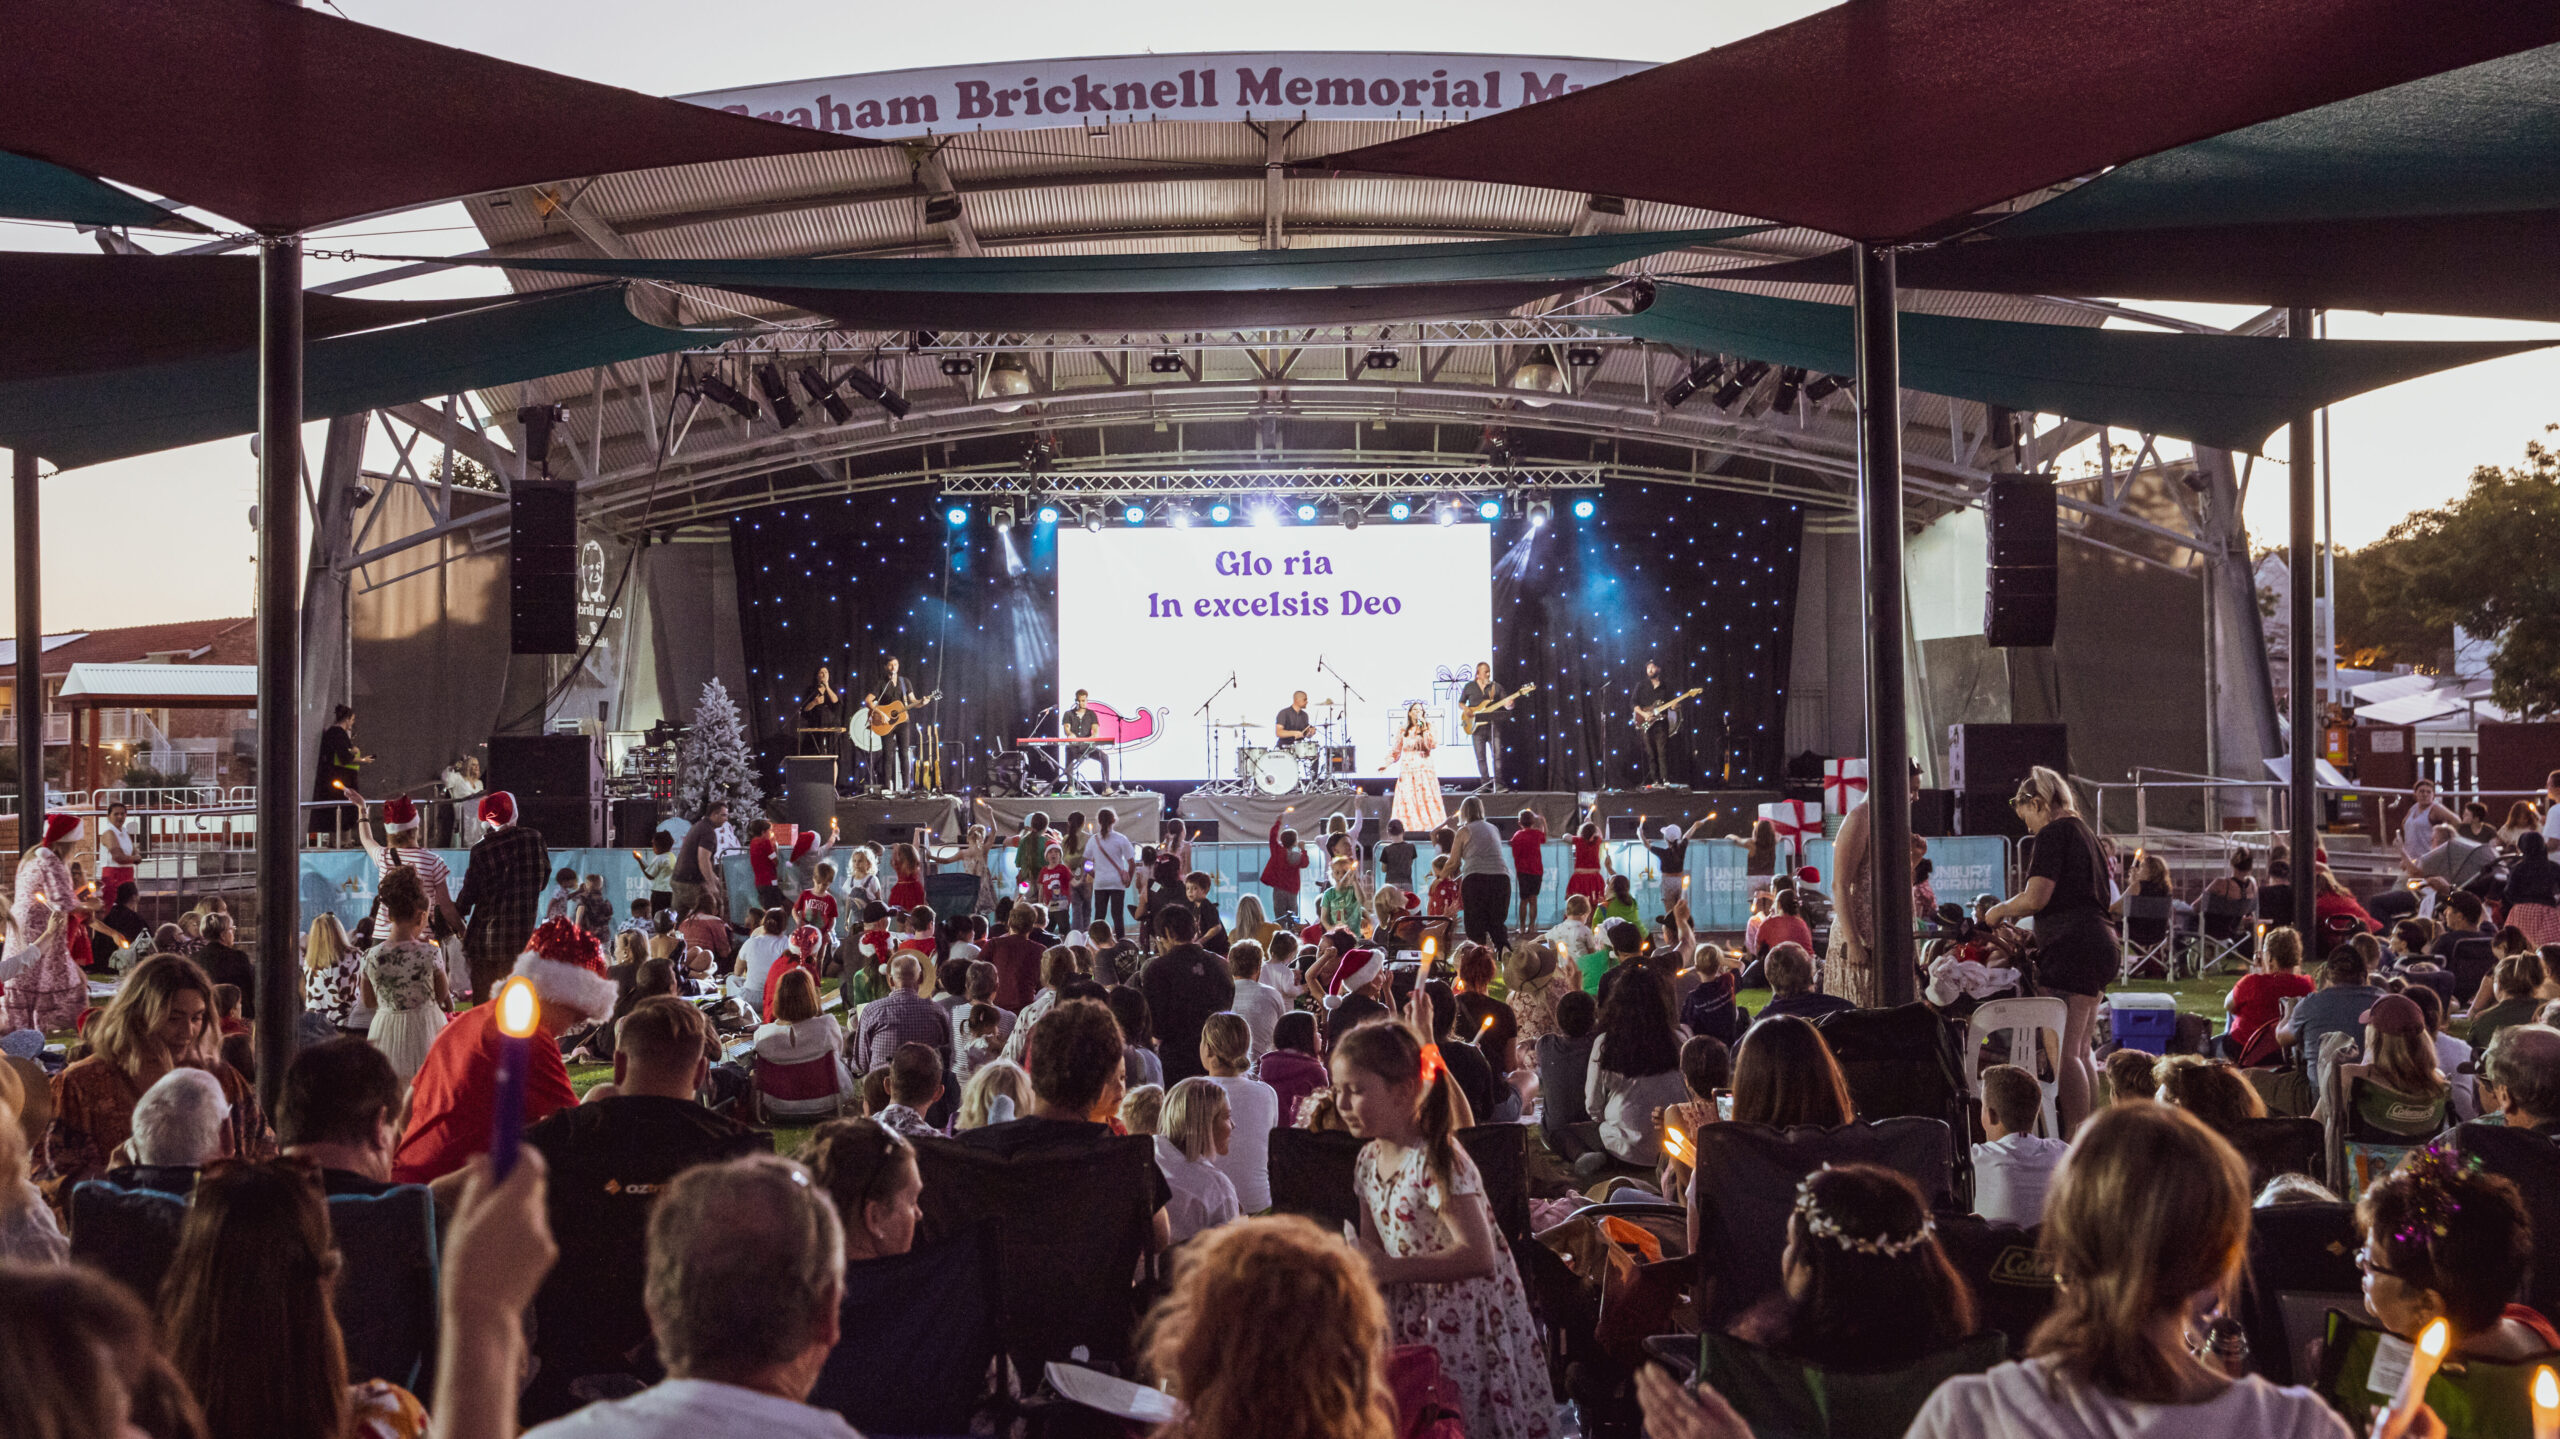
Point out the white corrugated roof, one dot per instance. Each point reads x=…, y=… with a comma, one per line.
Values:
x=2396, y=687
x=102, y=684
x=2411, y=709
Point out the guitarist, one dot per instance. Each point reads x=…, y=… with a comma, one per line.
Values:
x=1657, y=712
x=894, y=763
x=1481, y=698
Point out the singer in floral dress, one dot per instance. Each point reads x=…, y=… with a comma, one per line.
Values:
x=50, y=993
x=1417, y=776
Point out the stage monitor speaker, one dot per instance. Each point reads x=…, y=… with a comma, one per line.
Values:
x=634, y=821
x=563, y=821
x=557, y=766
x=1987, y=757
x=809, y=790
x=1933, y=812
x=1986, y=811
x=542, y=568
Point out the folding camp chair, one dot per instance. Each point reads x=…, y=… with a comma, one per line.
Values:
x=1776, y=1394
x=2150, y=937
x=921, y=1333
x=2223, y=932
x=386, y=1290
x=1745, y=1187
x=2300, y=1257
x=2280, y=1145
x=2371, y=1128
x=2025, y=1022
x=1311, y=1174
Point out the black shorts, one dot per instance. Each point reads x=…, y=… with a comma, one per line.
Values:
x=1529, y=883
x=2076, y=953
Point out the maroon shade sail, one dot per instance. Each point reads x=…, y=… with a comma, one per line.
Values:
x=286, y=119
x=1165, y=311
x=1884, y=119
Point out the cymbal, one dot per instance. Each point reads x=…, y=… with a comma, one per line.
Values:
x=1326, y=704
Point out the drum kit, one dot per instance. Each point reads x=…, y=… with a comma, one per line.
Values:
x=1288, y=767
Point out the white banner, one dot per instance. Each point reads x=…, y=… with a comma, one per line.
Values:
x=1127, y=89
x=1154, y=619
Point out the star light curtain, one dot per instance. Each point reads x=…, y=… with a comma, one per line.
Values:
x=1704, y=583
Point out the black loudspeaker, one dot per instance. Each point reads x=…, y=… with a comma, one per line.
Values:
x=1987, y=757
x=1986, y=811
x=563, y=821
x=634, y=820
x=2023, y=540
x=809, y=791
x=542, y=568
x=1933, y=812
x=557, y=766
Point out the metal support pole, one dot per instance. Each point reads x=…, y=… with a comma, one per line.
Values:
x=279, y=656
x=30, y=697
x=1880, y=527
x=2302, y=799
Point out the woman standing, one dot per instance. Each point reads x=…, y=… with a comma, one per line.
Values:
x=51, y=992
x=821, y=716
x=403, y=982
x=1417, y=776
x=461, y=780
x=341, y=769
x=1071, y=842
x=2076, y=950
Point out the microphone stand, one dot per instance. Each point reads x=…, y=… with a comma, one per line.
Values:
x=1209, y=727
x=1348, y=693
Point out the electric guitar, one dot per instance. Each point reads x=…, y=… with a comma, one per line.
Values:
x=1647, y=714
x=886, y=717
x=1468, y=714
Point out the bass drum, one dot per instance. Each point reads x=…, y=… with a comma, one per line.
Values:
x=1275, y=772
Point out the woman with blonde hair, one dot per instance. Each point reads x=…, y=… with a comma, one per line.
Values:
x=331, y=964
x=2076, y=949
x=161, y=1018
x=1209, y=1340
x=1250, y=922
x=1194, y=1128
x=998, y=1085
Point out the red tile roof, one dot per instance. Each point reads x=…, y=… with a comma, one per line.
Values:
x=228, y=641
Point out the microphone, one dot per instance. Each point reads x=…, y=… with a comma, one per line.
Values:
x=1319, y=664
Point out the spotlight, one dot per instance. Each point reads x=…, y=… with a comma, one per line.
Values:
x=1823, y=387
x=957, y=366
x=1381, y=358
x=1003, y=517
x=1703, y=376
x=769, y=379
x=1008, y=375
x=1265, y=516
x=1219, y=514
x=719, y=391
x=1489, y=508
x=1306, y=513
x=1582, y=357
x=1539, y=376
x=1165, y=362
x=1181, y=517
x=1584, y=509
x=1399, y=511
x=1093, y=518
x=1751, y=373
x=822, y=393
x=1790, y=384
x=1134, y=514
x=1048, y=514
x=1447, y=513
x=1351, y=513
x=1541, y=511
x=869, y=387
x=957, y=514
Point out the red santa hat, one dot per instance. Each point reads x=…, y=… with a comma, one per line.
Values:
x=497, y=807
x=805, y=845
x=1358, y=969
x=567, y=969
x=399, y=812
x=58, y=826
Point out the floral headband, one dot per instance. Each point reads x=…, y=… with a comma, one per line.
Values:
x=1823, y=1226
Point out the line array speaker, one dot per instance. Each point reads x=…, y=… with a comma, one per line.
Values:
x=2022, y=536
x=542, y=568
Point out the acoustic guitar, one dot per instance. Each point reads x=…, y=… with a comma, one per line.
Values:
x=1469, y=714
x=886, y=717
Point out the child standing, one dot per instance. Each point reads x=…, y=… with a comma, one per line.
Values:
x=1589, y=863
x=862, y=878
x=658, y=867
x=1428, y=1232
x=1280, y=871
x=1444, y=886
x=1339, y=907
x=908, y=891
x=1055, y=879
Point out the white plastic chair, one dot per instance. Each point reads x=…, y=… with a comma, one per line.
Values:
x=2024, y=1021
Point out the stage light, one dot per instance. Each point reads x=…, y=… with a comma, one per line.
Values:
x=958, y=365
x=769, y=379
x=1381, y=358
x=1539, y=512
x=1220, y=514
x=1399, y=511
x=1351, y=513
x=942, y=209
x=1584, y=509
x=1539, y=376
x=719, y=391
x=1048, y=514
x=1181, y=517
x=1165, y=362
x=822, y=393
x=1703, y=375
x=1582, y=357
x=1093, y=518
x=957, y=514
x=869, y=387
x=1134, y=514
x=1265, y=516
x=1448, y=512
x=1003, y=517
x=1790, y=384
x=1489, y=508
x=1306, y=513
x=1751, y=373
x=1824, y=387
x=1008, y=376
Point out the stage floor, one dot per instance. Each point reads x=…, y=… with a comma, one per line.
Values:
x=887, y=819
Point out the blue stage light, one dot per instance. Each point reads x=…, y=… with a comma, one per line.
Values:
x=1306, y=514
x=1135, y=514
x=957, y=514
x=1490, y=509
x=1220, y=514
x=1399, y=511
x=1048, y=514
x=1583, y=509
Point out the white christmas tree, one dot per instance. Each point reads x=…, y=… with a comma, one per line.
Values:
x=713, y=765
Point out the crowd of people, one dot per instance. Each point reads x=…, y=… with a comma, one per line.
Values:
x=673, y=1247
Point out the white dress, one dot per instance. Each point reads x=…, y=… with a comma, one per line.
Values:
x=406, y=1017
x=1417, y=785
x=1487, y=1342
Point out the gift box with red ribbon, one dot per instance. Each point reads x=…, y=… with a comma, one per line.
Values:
x=1795, y=821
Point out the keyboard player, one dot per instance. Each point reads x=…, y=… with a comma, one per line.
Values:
x=1080, y=722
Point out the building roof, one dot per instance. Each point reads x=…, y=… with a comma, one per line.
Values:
x=155, y=685
x=9, y=647
x=179, y=642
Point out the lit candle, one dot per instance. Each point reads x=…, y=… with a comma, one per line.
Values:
x=518, y=1011
x=2546, y=1403
x=2432, y=1342
x=1677, y=1145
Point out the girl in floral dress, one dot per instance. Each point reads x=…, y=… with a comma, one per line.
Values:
x=50, y=992
x=1428, y=1231
x=404, y=978
x=332, y=965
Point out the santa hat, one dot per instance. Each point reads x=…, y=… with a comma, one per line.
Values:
x=1808, y=875
x=497, y=807
x=58, y=826
x=1357, y=969
x=806, y=939
x=399, y=812
x=567, y=969
x=806, y=845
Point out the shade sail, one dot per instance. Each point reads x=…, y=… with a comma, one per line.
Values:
x=2223, y=391
x=34, y=190
x=2495, y=266
x=1538, y=258
x=1162, y=311
x=76, y=314
x=1880, y=119
x=285, y=118
x=83, y=419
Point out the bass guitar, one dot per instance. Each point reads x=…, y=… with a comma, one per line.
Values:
x=1469, y=714
x=886, y=717
x=1647, y=714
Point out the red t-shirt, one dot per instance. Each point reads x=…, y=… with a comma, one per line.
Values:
x=1017, y=961
x=760, y=859
x=1053, y=883
x=906, y=893
x=1528, y=853
x=824, y=904
x=1778, y=929
x=1586, y=853
x=2256, y=1001
x=454, y=1103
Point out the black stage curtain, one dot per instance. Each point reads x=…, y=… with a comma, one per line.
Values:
x=1703, y=582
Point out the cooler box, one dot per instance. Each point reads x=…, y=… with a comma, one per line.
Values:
x=2143, y=1021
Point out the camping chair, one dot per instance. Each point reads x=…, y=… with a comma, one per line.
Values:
x=1501, y=1155
x=1311, y=1174
x=811, y=1089
x=2472, y=961
x=386, y=1290
x=1902, y=1062
x=2476, y=1399
x=2024, y=1023
x=2223, y=932
x=1073, y=1230
x=2150, y=932
x=921, y=1333
x=2280, y=1145
x=1776, y=1394
x=2301, y=1259
x=951, y=892
x=2371, y=1129
x=2012, y=1282
x=130, y=1234
x=1744, y=1189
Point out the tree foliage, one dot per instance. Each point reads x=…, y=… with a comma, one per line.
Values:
x=2489, y=562
x=2374, y=636
x=713, y=764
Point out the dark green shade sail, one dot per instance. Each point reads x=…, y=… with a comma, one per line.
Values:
x=2222, y=391
x=38, y=190
x=79, y=420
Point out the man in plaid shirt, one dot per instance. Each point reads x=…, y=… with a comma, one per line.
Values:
x=902, y=1016
x=502, y=893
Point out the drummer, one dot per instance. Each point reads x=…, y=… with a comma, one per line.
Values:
x=1292, y=724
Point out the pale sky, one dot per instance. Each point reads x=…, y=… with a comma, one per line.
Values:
x=166, y=537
